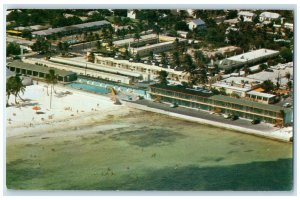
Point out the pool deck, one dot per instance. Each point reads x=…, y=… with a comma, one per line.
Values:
x=204, y=117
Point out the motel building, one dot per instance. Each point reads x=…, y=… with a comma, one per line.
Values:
x=149, y=72
x=73, y=29
x=87, y=69
x=222, y=104
x=40, y=71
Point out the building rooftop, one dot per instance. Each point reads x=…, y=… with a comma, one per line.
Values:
x=246, y=13
x=151, y=46
x=146, y=66
x=198, y=21
x=83, y=64
x=251, y=55
x=181, y=89
x=226, y=85
x=131, y=40
x=244, y=102
x=273, y=76
x=261, y=94
x=72, y=27
x=270, y=15
x=38, y=68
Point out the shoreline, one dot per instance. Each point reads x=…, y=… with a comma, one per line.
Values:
x=269, y=135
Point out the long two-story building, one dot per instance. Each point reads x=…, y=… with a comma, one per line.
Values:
x=222, y=104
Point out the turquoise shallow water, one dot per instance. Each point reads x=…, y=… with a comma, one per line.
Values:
x=148, y=151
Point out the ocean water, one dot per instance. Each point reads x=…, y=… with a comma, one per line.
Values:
x=148, y=151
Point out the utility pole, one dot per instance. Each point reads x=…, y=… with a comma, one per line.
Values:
x=85, y=68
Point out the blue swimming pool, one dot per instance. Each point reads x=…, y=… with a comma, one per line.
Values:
x=90, y=88
x=118, y=88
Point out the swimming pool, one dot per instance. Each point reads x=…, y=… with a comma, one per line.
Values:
x=118, y=88
x=90, y=88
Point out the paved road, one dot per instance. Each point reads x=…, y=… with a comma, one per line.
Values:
x=206, y=115
x=19, y=40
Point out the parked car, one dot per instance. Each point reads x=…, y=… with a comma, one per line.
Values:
x=173, y=105
x=255, y=121
x=227, y=116
x=287, y=105
x=234, y=117
x=269, y=70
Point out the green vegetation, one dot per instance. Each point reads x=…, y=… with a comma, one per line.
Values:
x=268, y=86
x=163, y=77
x=41, y=45
x=13, y=49
x=14, y=86
x=51, y=79
x=286, y=54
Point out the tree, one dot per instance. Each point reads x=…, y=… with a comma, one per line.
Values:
x=137, y=36
x=290, y=85
x=163, y=77
x=137, y=57
x=164, y=59
x=63, y=47
x=181, y=25
x=9, y=89
x=268, y=85
x=13, y=49
x=157, y=30
x=98, y=45
x=176, y=58
x=222, y=91
x=263, y=67
x=190, y=68
x=200, y=57
x=51, y=78
x=231, y=14
x=286, y=54
x=41, y=45
x=288, y=75
x=26, y=34
x=14, y=86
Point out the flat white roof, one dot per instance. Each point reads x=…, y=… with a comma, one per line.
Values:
x=225, y=85
x=246, y=13
x=152, y=46
x=95, y=66
x=253, y=68
x=261, y=94
x=72, y=27
x=251, y=55
x=270, y=15
x=130, y=40
x=239, y=80
x=146, y=66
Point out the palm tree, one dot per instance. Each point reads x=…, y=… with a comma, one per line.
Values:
x=9, y=89
x=288, y=75
x=137, y=36
x=163, y=77
x=14, y=86
x=51, y=78
x=157, y=30
x=189, y=67
x=176, y=58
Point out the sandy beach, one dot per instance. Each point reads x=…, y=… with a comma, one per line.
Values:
x=70, y=108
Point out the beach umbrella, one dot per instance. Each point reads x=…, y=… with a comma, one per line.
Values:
x=36, y=108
